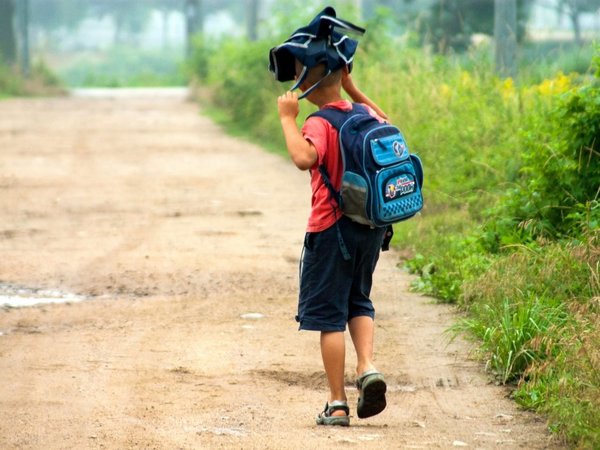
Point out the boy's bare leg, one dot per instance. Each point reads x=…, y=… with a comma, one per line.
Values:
x=362, y=329
x=333, y=351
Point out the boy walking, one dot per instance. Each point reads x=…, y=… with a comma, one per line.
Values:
x=334, y=288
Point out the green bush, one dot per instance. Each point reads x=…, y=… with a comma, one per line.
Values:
x=558, y=192
x=448, y=259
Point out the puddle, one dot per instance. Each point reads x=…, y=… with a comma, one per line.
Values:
x=19, y=297
x=252, y=316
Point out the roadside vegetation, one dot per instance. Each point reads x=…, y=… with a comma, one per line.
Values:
x=510, y=231
x=41, y=81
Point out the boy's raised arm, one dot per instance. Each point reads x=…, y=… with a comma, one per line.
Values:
x=357, y=95
x=302, y=152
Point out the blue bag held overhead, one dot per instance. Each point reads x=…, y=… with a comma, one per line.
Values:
x=381, y=180
x=324, y=40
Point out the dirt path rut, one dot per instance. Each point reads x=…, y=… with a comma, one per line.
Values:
x=186, y=242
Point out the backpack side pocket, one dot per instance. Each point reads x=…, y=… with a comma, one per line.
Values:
x=354, y=196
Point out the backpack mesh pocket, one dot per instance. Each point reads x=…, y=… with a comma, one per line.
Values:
x=354, y=197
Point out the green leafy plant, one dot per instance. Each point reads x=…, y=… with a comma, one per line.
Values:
x=559, y=186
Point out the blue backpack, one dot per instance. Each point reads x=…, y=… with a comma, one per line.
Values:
x=381, y=180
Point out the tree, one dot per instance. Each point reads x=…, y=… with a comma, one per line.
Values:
x=8, y=41
x=574, y=8
x=194, y=21
x=129, y=17
x=449, y=24
x=404, y=10
x=252, y=19
x=166, y=7
x=53, y=19
x=505, y=34
x=52, y=15
x=23, y=30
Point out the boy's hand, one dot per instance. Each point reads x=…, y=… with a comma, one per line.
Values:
x=288, y=105
x=302, y=152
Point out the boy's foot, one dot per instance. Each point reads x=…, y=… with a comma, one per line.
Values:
x=371, y=388
x=327, y=417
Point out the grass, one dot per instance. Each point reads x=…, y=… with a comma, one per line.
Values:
x=513, y=333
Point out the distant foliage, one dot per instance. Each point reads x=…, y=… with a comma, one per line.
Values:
x=449, y=24
x=41, y=81
x=113, y=68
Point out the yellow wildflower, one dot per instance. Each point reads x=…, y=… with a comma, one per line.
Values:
x=445, y=91
x=466, y=80
x=507, y=89
x=558, y=85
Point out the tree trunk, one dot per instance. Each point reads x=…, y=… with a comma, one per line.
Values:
x=165, y=28
x=574, y=16
x=118, y=33
x=23, y=27
x=8, y=42
x=194, y=19
x=252, y=19
x=505, y=34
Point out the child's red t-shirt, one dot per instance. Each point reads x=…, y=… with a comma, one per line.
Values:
x=324, y=137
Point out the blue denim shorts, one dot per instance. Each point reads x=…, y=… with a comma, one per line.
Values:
x=334, y=290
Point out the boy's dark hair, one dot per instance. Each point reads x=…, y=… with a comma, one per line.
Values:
x=319, y=42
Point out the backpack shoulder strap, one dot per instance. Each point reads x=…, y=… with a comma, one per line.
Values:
x=337, y=117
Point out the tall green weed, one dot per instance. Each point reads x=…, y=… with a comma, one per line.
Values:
x=534, y=314
x=507, y=332
x=565, y=385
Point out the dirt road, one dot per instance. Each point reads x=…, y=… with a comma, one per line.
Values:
x=186, y=242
